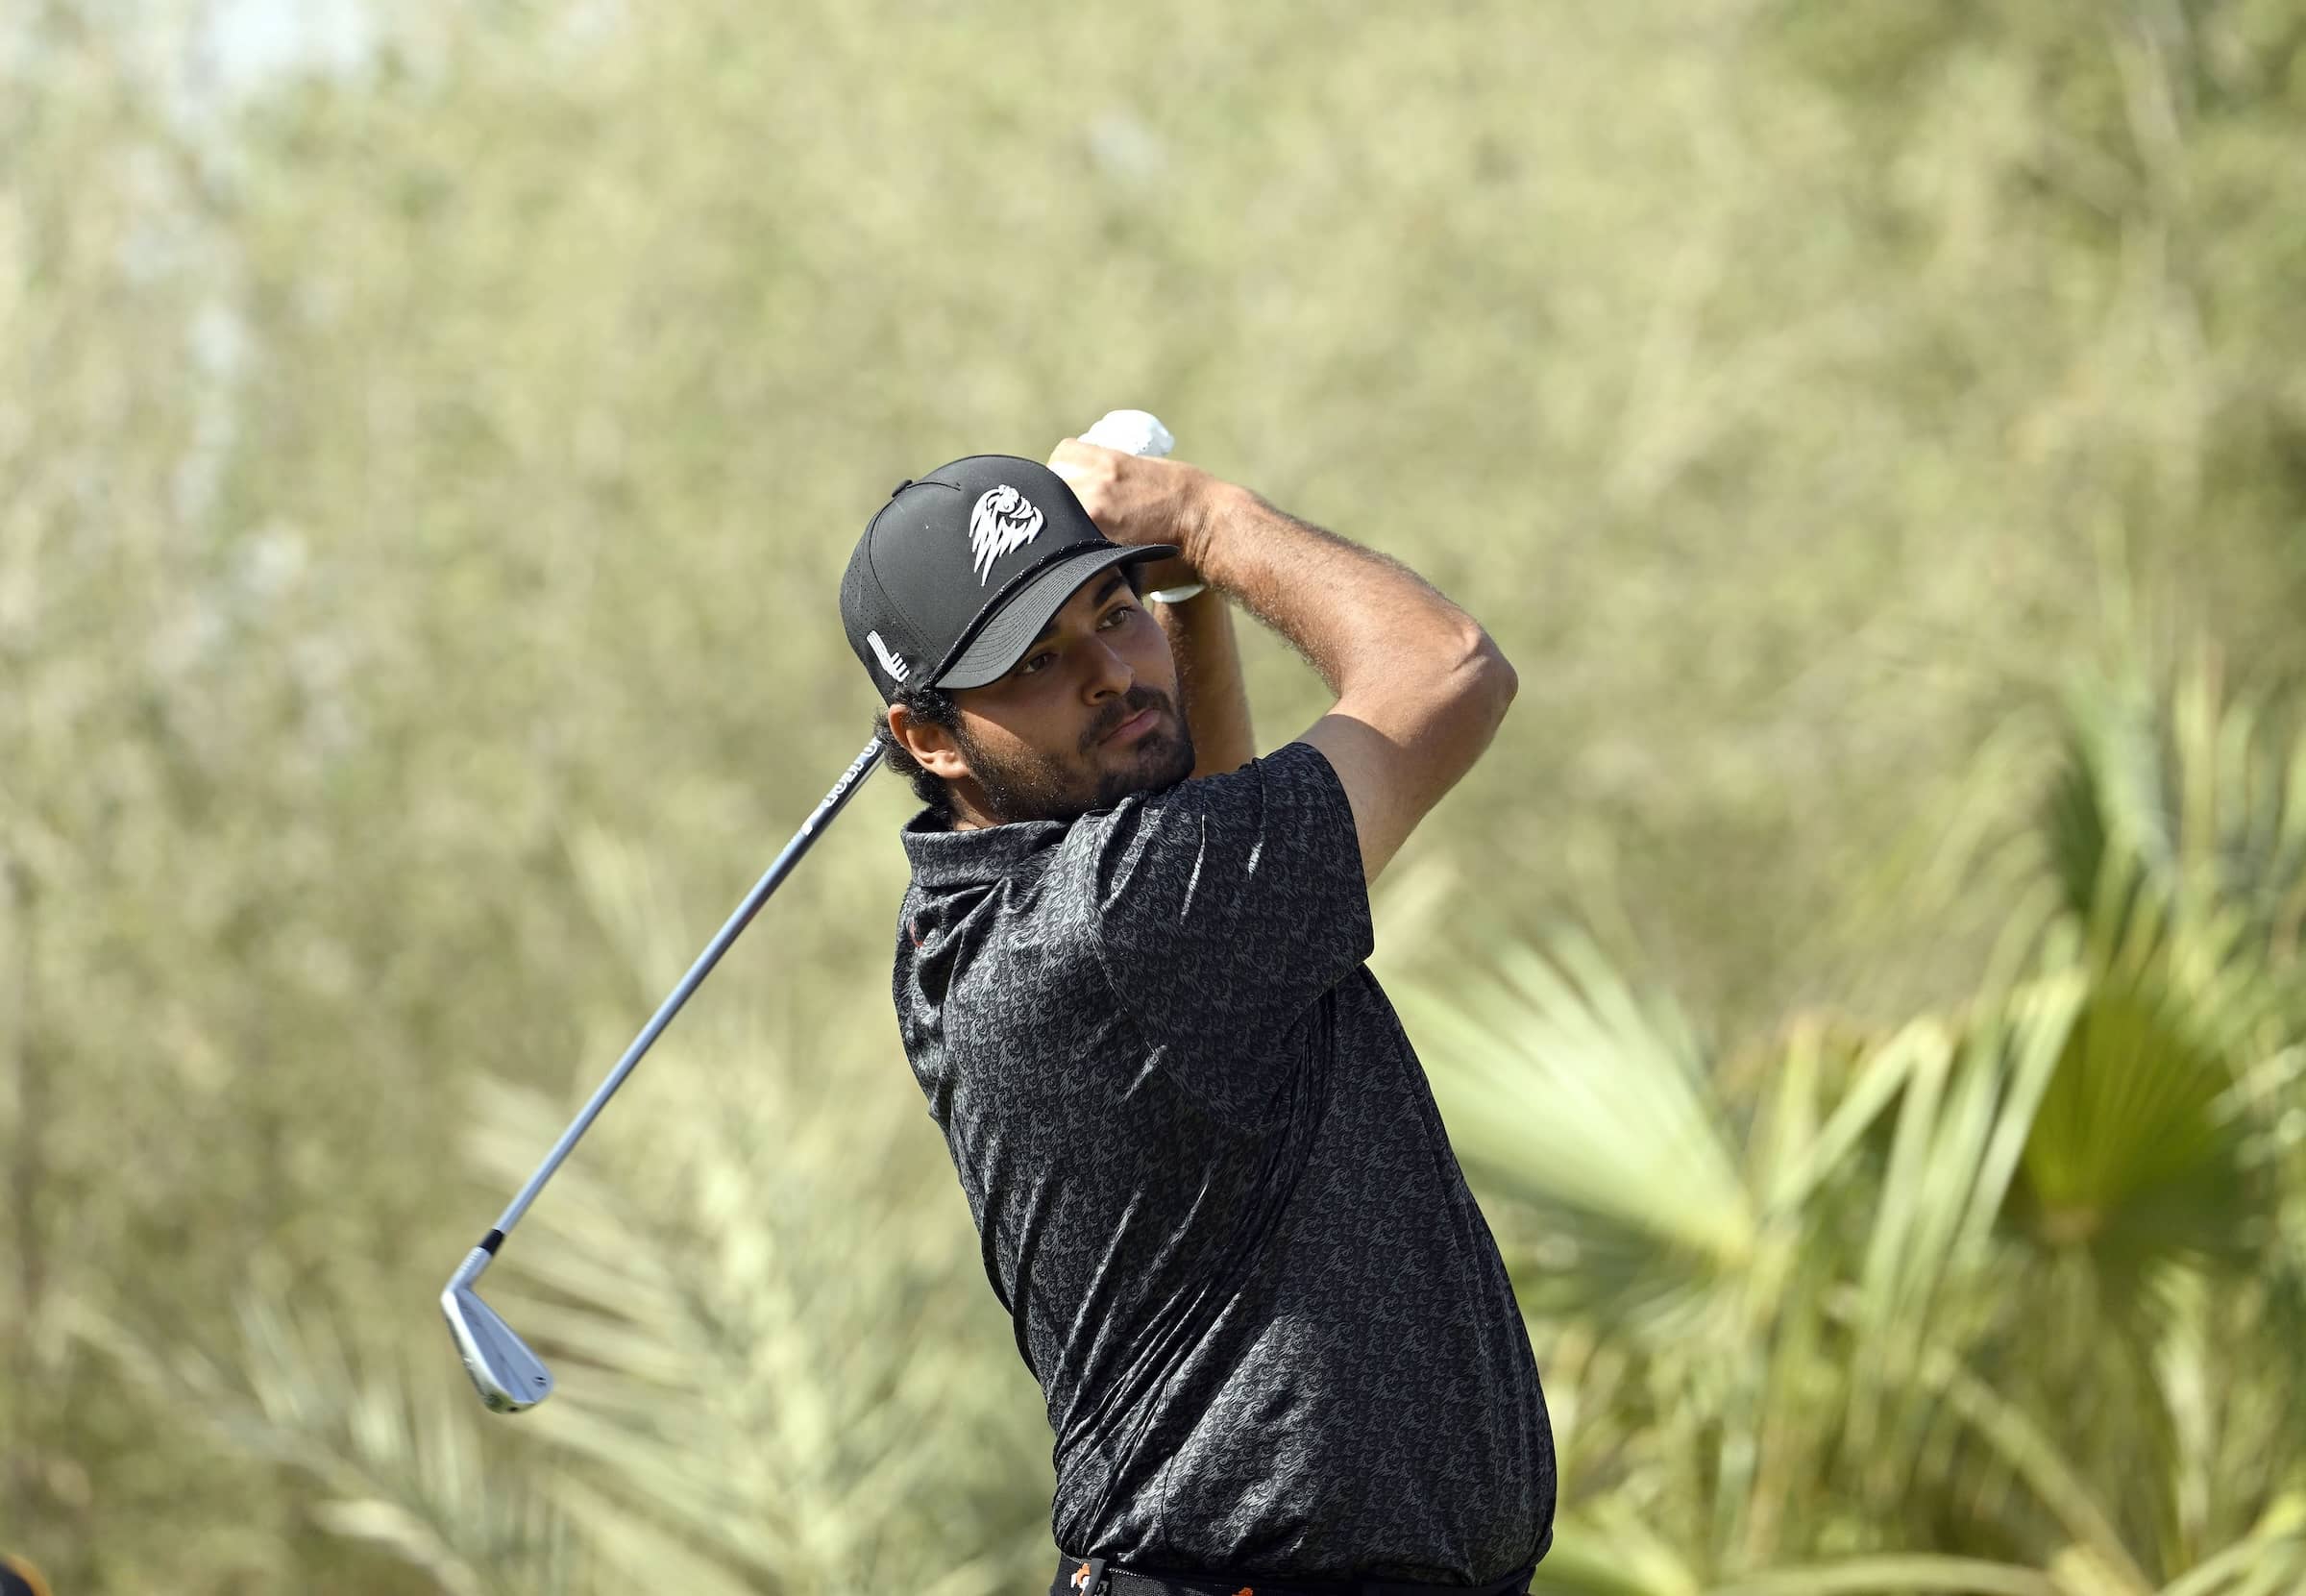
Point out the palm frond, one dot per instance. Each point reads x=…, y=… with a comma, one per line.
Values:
x=398, y=1461
x=2056, y=1479
x=2179, y=796
x=1568, y=1094
x=1605, y=1551
x=760, y=1365
x=1898, y=1574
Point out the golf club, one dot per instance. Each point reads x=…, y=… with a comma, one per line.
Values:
x=509, y=1376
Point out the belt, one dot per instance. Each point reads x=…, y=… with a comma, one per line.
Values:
x=1097, y=1576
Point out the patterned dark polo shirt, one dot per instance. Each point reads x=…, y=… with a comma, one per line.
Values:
x=1273, y=1331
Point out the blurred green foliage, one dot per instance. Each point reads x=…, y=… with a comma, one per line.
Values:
x=423, y=488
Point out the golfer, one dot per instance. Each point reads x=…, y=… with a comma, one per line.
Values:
x=1278, y=1347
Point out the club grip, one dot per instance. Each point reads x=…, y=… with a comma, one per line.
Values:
x=1132, y=433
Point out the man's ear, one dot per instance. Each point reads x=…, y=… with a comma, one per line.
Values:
x=933, y=748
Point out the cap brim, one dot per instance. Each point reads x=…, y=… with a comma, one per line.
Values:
x=1013, y=626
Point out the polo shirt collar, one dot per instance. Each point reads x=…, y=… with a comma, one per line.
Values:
x=943, y=859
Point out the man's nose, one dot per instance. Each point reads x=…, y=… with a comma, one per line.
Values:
x=1109, y=674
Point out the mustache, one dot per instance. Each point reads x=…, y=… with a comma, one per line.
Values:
x=1139, y=698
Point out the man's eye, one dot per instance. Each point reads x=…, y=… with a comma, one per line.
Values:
x=1117, y=614
x=1034, y=664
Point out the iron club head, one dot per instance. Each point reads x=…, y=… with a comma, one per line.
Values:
x=507, y=1375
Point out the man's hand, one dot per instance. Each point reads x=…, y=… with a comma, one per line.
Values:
x=1139, y=499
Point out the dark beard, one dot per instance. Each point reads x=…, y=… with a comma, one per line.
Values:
x=1040, y=787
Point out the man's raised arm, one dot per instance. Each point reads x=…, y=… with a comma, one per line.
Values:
x=1420, y=687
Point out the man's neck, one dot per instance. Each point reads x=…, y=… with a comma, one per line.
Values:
x=966, y=810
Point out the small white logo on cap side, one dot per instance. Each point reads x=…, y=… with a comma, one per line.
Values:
x=890, y=662
x=1004, y=520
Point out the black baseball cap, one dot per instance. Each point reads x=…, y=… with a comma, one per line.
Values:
x=19, y=1577
x=960, y=570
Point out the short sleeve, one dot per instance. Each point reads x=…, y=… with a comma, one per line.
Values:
x=1226, y=906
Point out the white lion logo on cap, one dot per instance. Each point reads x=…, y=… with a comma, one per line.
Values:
x=1004, y=520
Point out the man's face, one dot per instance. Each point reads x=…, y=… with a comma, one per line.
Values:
x=1088, y=716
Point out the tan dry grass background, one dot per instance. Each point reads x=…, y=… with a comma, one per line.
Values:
x=423, y=488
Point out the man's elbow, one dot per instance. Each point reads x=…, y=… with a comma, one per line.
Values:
x=1499, y=679
x=1444, y=693
x=1482, y=679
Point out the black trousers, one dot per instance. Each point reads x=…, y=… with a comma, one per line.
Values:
x=1096, y=1577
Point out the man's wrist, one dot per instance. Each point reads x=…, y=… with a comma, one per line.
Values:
x=1200, y=529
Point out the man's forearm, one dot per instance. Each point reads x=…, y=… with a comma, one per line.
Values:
x=1356, y=615
x=1420, y=687
x=1208, y=674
